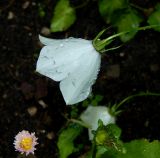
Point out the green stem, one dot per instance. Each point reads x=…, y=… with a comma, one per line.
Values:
x=100, y=45
x=138, y=7
x=82, y=5
x=79, y=122
x=122, y=33
x=93, y=150
x=136, y=95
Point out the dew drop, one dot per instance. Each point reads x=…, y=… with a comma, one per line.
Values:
x=59, y=72
x=61, y=45
x=45, y=57
x=54, y=62
x=73, y=83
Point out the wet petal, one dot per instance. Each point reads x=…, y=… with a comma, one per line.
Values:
x=71, y=42
x=77, y=86
x=59, y=60
x=72, y=61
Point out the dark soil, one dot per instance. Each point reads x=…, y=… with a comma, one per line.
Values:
x=33, y=102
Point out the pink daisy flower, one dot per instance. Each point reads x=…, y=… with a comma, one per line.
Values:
x=25, y=142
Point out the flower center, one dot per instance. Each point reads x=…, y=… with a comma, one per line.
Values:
x=26, y=143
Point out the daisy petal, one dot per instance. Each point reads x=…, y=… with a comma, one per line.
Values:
x=25, y=142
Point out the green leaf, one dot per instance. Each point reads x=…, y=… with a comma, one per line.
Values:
x=100, y=151
x=97, y=98
x=127, y=22
x=66, y=140
x=108, y=7
x=93, y=100
x=114, y=130
x=137, y=149
x=64, y=16
x=154, y=18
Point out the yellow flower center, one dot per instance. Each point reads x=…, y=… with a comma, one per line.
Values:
x=26, y=143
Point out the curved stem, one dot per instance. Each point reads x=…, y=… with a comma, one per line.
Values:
x=138, y=7
x=136, y=95
x=100, y=45
x=82, y=5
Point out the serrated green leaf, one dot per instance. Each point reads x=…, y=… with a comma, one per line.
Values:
x=127, y=22
x=107, y=7
x=154, y=18
x=66, y=140
x=137, y=149
x=64, y=16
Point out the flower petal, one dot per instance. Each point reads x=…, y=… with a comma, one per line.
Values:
x=70, y=41
x=91, y=116
x=61, y=57
x=77, y=86
x=25, y=142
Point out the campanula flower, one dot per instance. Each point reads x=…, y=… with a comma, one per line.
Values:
x=73, y=62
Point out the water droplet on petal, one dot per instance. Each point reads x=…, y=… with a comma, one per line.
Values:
x=59, y=72
x=45, y=57
x=73, y=83
x=61, y=45
x=54, y=62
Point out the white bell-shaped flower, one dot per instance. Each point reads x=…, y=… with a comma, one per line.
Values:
x=73, y=62
x=91, y=116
